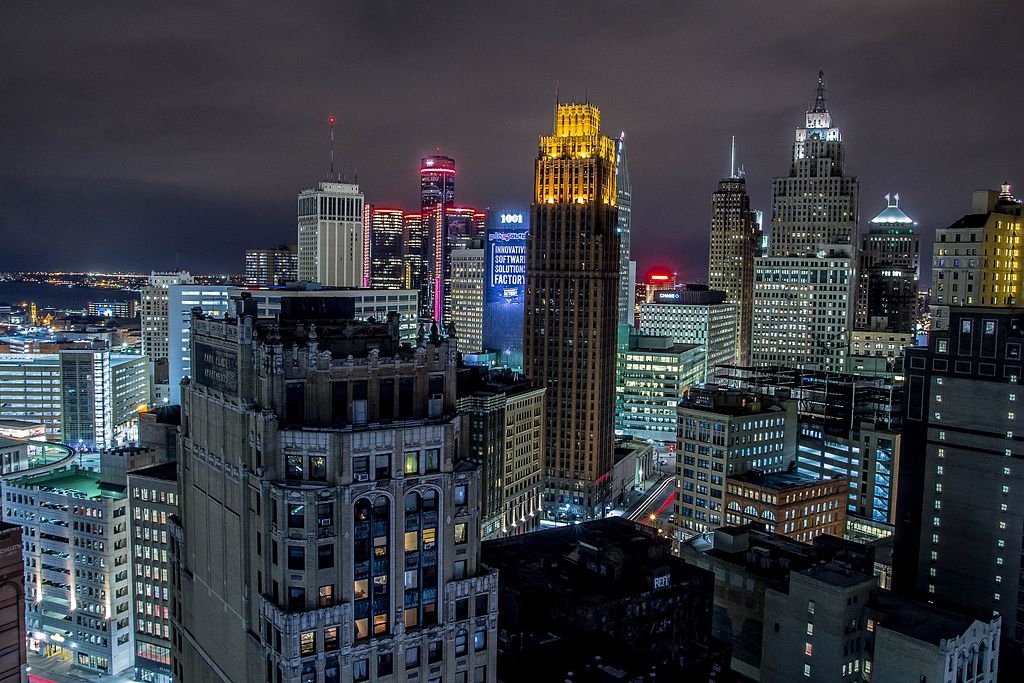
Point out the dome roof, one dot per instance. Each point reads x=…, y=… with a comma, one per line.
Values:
x=892, y=214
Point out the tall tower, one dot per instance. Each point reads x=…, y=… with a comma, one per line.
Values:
x=437, y=195
x=733, y=248
x=804, y=288
x=386, y=265
x=816, y=204
x=889, y=270
x=331, y=234
x=572, y=279
x=624, y=195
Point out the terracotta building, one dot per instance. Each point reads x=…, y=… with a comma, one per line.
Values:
x=795, y=505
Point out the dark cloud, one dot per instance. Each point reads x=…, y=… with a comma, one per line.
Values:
x=142, y=135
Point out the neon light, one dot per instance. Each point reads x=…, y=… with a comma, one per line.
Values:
x=437, y=170
x=660, y=278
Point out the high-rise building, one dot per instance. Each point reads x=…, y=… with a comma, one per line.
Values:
x=624, y=194
x=960, y=511
x=653, y=374
x=454, y=228
x=152, y=499
x=504, y=285
x=331, y=234
x=572, y=277
x=437, y=195
x=804, y=288
x=815, y=206
x=349, y=548
x=505, y=423
x=386, y=264
x=111, y=309
x=155, y=330
x=413, y=245
x=467, y=298
x=78, y=594
x=973, y=264
x=695, y=315
x=732, y=251
x=890, y=263
x=271, y=267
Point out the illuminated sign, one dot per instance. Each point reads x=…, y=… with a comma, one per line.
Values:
x=510, y=218
x=505, y=284
x=670, y=297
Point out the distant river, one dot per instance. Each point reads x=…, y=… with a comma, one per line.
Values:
x=59, y=296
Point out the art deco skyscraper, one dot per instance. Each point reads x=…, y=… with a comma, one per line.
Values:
x=572, y=277
x=804, y=289
x=733, y=248
x=331, y=234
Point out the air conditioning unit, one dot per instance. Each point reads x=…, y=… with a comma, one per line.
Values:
x=362, y=477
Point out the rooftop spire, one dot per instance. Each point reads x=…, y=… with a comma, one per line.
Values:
x=820, y=99
x=330, y=121
x=732, y=159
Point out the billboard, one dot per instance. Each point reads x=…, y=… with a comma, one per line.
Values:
x=504, y=284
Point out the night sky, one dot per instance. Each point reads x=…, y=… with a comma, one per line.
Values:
x=178, y=134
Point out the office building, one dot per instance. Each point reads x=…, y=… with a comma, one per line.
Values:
x=695, y=315
x=77, y=588
x=725, y=432
x=572, y=255
x=13, y=656
x=604, y=597
x=352, y=548
x=505, y=423
x=212, y=300
x=272, y=267
x=975, y=260
x=504, y=285
x=437, y=194
x=152, y=499
x=815, y=206
x=156, y=330
x=331, y=234
x=732, y=251
x=413, y=241
x=466, y=284
x=878, y=352
x=653, y=374
x=386, y=266
x=889, y=271
x=795, y=505
x=804, y=288
x=960, y=514
x=86, y=398
x=453, y=228
x=624, y=199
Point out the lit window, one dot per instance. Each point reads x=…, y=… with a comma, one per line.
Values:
x=307, y=643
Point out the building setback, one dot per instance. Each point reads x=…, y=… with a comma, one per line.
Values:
x=346, y=538
x=572, y=256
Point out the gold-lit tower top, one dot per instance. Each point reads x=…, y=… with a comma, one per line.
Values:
x=577, y=164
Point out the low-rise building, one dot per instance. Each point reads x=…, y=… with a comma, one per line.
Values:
x=634, y=463
x=795, y=505
x=602, y=592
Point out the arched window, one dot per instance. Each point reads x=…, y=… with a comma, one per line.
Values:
x=421, y=558
x=733, y=505
x=750, y=510
x=461, y=636
x=371, y=552
x=769, y=515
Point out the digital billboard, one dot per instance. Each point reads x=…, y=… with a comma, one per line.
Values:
x=504, y=284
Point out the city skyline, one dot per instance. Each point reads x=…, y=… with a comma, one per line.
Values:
x=228, y=151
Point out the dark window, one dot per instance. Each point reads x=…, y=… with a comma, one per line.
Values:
x=382, y=466
x=296, y=599
x=385, y=664
x=462, y=609
x=296, y=557
x=406, y=392
x=325, y=556
x=361, y=670
x=339, y=403
x=481, y=605
x=295, y=403
x=387, y=399
x=435, y=653
x=324, y=514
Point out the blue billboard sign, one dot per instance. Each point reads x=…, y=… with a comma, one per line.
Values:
x=504, y=284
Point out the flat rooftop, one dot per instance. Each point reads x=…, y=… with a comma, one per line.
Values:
x=777, y=481
x=74, y=481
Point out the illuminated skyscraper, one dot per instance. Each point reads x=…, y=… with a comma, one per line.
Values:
x=412, y=253
x=271, y=267
x=624, y=194
x=804, y=288
x=888, y=272
x=572, y=278
x=437, y=194
x=331, y=234
x=733, y=248
x=386, y=265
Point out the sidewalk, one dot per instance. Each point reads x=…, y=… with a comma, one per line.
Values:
x=53, y=669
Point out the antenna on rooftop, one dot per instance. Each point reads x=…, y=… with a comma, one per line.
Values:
x=732, y=159
x=331, y=122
